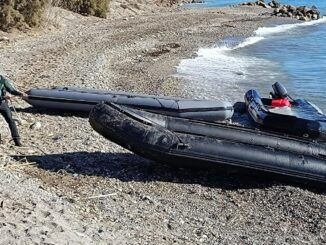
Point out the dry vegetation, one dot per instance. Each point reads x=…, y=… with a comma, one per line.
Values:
x=24, y=14
x=97, y=8
x=21, y=13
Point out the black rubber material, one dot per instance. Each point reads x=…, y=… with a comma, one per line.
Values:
x=77, y=99
x=287, y=124
x=200, y=143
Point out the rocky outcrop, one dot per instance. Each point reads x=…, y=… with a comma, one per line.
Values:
x=301, y=13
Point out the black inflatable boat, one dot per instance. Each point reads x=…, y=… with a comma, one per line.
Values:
x=300, y=117
x=182, y=141
x=77, y=99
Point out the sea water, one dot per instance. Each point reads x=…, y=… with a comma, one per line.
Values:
x=294, y=54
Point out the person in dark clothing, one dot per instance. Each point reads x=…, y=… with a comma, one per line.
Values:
x=6, y=90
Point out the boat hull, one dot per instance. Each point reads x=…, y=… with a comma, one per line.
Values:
x=190, y=146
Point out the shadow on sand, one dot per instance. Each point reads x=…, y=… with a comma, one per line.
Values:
x=51, y=112
x=130, y=167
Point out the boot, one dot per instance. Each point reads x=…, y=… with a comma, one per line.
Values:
x=17, y=142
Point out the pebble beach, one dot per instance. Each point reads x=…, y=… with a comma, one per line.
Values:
x=69, y=185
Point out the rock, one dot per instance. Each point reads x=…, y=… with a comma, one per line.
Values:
x=283, y=9
x=57, y=138
x=276, y=11
x=301, y=9
x=304, y=18
x=314, y=11
x=315, y=17
x=300, y=14
x=239, y=73
x=4, y=39
x=262, y=4
x=124, y=6
x=291, y=8
x=36, y=125
x=251, y=4
x=306, y=10
x=276, y=4
x=290, y=14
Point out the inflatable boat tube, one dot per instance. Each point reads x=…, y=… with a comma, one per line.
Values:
x=76, y=99
x=205, y=143
x=288, y=124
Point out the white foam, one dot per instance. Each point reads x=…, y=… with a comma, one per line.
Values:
x=263, y=32
x=219, y=72
x=266, y=31
x=249, y=41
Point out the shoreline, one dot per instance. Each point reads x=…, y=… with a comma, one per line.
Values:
x=76, y=186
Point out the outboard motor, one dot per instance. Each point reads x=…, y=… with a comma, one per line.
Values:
x=279, y=91
x=280, y=96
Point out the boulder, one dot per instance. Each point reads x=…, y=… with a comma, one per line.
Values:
x=276, y=11
x=262, y=4
x=306, y=10
x=315, y=17
x=276, y=4
x=304, y=18
x=300, y=13
x=291, y=8
x=283, y=9
x=301, y=9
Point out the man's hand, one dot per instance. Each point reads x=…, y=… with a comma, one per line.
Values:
x=24, y=96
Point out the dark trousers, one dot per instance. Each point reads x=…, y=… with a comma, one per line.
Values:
x=6, y=113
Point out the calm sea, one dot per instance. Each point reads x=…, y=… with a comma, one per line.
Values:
x=294, y=54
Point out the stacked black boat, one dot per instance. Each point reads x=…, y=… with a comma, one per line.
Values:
x=185, y=132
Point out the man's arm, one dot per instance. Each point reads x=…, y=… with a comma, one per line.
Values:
x=11, y=88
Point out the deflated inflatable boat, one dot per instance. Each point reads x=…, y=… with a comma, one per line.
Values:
x=76, y=99
x=177, y=140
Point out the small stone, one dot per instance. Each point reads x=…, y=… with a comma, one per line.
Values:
x=4, y=39
x=36, y=125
